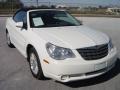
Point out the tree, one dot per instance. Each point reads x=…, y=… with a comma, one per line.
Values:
x=11, y=4
x=53, y=6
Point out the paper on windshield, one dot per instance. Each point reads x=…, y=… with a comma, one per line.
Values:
x=38, y=21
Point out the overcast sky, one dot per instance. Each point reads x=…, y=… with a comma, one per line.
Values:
x=99, y=2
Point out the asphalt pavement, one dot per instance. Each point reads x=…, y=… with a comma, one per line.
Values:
x=15, y=73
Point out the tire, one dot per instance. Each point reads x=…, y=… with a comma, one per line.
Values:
x=9, y=41
x=35, y=65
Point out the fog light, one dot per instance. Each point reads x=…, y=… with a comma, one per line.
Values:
x=64, y=77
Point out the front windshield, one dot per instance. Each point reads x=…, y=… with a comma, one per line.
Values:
x=51, y=18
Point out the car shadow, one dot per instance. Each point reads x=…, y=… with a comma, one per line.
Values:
x=97, y=80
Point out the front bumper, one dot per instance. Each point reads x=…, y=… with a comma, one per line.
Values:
x=78, y=68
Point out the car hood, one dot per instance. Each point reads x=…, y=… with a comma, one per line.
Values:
x=72, y=36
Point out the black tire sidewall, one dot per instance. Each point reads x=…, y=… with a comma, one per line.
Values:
x=39, y=75
x=9, y=44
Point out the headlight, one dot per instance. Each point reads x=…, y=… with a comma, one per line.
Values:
x=59, y=53
x=110, y=45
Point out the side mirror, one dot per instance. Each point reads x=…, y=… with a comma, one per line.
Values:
x=19, y=24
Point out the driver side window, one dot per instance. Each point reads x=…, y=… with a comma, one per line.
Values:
x=19, y=16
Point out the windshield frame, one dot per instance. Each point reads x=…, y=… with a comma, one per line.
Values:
x=32, y=11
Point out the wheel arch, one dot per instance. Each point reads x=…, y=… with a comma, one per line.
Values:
x=39, y=60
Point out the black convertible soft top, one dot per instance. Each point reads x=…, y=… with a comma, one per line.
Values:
x=35, y=8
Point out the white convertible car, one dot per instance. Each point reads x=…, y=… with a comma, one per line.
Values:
x=58, y=46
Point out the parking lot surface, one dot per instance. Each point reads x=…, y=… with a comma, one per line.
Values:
x=15, y=73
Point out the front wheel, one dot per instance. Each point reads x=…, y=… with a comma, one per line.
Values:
x=35, y=65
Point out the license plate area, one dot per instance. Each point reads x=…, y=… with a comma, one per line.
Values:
x=100, y=66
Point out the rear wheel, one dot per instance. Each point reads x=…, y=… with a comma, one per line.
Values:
x=35, y=65
x=8, y=40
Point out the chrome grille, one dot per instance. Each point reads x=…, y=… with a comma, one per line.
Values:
x=94, y=53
